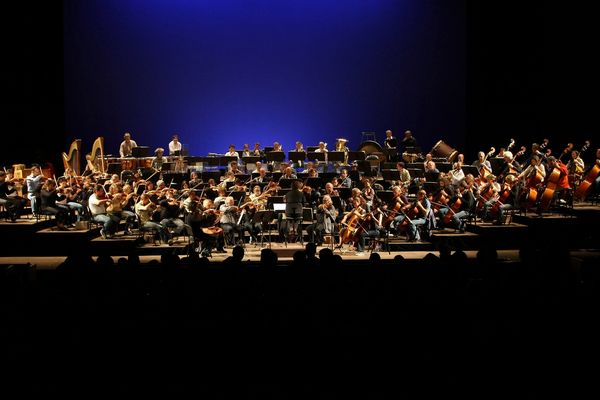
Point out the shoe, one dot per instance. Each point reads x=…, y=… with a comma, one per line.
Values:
x=104, y=236
x=127, y=232
x=170, y=242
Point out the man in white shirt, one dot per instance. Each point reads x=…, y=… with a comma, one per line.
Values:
x=97, y=203
x=127, y=145
x=175, y=146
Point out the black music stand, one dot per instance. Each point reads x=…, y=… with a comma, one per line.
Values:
x=315, y=183
x=337, y=202
x=295, y=156
x=224, y=161
x=250, y=159
x=276, y=156
x=443, y=166
x=268, y=149
x=238, y=196
x=357, y=155
x=313, y=156
x=336, y=156
x=470, y=169
x=432, y=176
x=114, y=169
x=286, y=183
x=140, y=152
x=311, y=149
x=206, y=175
x=390, y=174
x=345, y=193
x=264, y=218
x=385, y=196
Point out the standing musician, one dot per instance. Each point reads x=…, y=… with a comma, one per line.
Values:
x=391, y=143
x=482, y=162
x=563, y=180
x=34, y=185
x=175, y=146
x=125, y=149
x=324, y=222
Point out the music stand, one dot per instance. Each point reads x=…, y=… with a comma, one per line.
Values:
x=114, y=168
x=357, y=155
x=313, y=156
x=315, y=183
x=390, y=174
x=336, y=156
x=286, y=183
x=432, y=176
x=443, y=166
x=311, y=149
x=140, y=152
x=295, y=156
x=206, y=175
x=264, y=218
x=224, y=161
x=250, y=159
x=416, y=172
x=337, y=202
x=276, y=156
x=470, y=169
x=345, y=193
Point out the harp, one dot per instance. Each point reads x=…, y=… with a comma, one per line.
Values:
x=95, y=161
x=71, y=161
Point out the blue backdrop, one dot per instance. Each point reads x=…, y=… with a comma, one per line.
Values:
x=233, y=71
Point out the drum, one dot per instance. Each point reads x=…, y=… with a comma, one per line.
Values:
x=370, y=146
x=442, y=150
x=128, y=164
x=145, y=162
x=409, y=157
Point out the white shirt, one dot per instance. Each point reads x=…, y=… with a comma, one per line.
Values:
x=173, y=147
x=125, y=149
x=95, y=206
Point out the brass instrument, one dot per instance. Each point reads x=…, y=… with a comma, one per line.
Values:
x=340, y=145
x=71, y=161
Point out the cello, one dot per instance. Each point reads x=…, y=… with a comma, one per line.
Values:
x=350, y=230
x=585, y=185
x=548, y=193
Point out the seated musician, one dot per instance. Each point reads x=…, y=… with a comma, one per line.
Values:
x=309, y=165
x=326, y=215
x=511, y=166
x=482, y=162
x=409, y=140
x=257, y=152
x=195, y=180
x=489, y=193
x=507, y=198
x=228, y=177
x=422, y=208
x=115, y=208
x=67, y=196
x=465, y=192
x=125, y=149
x=345, y=180
x=158, y=160
x=457, y=174
x=239, y=186
x=221, y=197
x=322, y=165
x=597, y=180
x=312, y=173
x=261, y=176
x=246, y=152
x=429, y=164
x=394, y=209
x=368, y=192
x=356, y=210
x=8, y=198
x=90, y=167
x=298, y=147
x=371, y=228
x=204, y=226
x=257, y=201
x=144, y=210
x=48, y=199
x=229, y=220
x=234, y=168
x=288, y=174
x=534, y=167
x=404, y=174
x=169, y=215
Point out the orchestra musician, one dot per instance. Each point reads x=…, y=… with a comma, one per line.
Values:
x=175, y=146
x=345, y=180
x=563, y=180
x=48, y=200
x=457, y=174
x=466, y=193
x=144, y=210
x=288, y=173
x=326, y=215
x=169, y=215
x=34, y=185
x=232, y=152
x=534, y=167
x=409, y=140
x=404, y=173
x=125, y=149
x=597, y=180
x=372, y=227
x=257, y=152
x=322, y=165
x=511, y=166
x=489, y=194
x=575, y=166
x=97, y=204
x=390, y=141
x=8, y=198
x=246, y=152
x=229, y=220
x=423, y=208
x=158, y=160
x=298, y=147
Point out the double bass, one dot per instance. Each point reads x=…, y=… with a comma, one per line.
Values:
x=551, y=186
x=585, y=184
